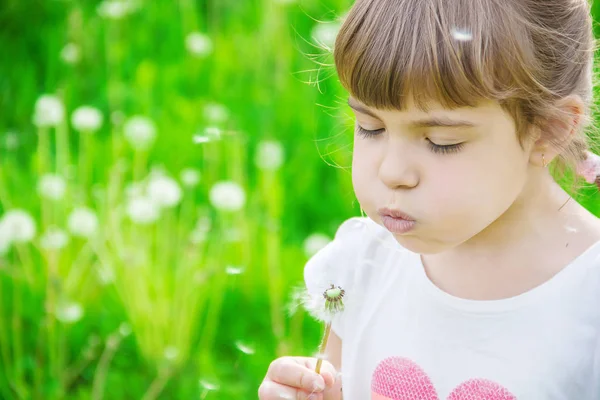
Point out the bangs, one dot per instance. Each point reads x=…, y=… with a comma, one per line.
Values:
x=456, y=53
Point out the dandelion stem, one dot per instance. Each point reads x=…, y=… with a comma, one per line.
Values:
x=100, y=376
x=157, y=385
x=323, y=347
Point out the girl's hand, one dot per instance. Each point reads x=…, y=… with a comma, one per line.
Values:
x=294, y=378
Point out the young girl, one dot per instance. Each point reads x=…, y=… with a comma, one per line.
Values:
x=472, y=275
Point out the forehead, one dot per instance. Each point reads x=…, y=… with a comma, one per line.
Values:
x=482, y=113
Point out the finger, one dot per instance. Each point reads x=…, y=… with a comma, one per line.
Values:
x=270, y=390
x=334, y=391
x=289, y=372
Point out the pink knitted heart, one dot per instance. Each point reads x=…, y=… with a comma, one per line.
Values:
x=398, y=378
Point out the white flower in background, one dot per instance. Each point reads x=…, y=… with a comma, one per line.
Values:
x=11, y=140
x=227, y=196
x=244, y=348
x=114, y=9
x=233, y=270
x=198, y=44
x=190, y=177
x=51, y=186
x=209, y=134
x=20, y=226
x=5, y=238
x=140, y=132
x=314, y=243
x=49, y=111
x=70, y=54
x=69, y=312
x=209, y=385
x=142, y=210
x=216, y=113
x=325, y=33
x=87, y=119
x=54, y=239
x=164, y=191
x=82, y=222
x=269, y=155
x=171, y=353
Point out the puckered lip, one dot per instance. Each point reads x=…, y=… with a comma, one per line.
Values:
x=392, y=212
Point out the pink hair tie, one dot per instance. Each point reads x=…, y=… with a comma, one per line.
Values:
x=589, y=168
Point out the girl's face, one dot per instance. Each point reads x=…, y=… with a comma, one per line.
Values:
x=454, y=171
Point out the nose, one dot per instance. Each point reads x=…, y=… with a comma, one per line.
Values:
x=398, y=169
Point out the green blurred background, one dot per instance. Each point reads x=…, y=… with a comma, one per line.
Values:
x=167, y=169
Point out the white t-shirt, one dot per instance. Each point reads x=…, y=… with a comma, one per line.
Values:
x=404, y=338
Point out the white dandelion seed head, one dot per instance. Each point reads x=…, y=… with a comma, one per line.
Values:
x=314, y=243
x=216, y=113
x=269, y=155
x=190, y=177
x=54, y=238
x=70, y=53
x=114, y=9
x=142, y=210
x=82, y=222
x=87, y=119
x=20, y=225
x=244, y=348
x=69, y=312
x=52, y=186
x=325, y=33
x=140, y=132
x=234, y=270
x=462, y=35
x=227, y=196
x=198, y=44
x=209, y=384
x=164, y=191
x=171, y=353
x=124, y=329
x=49, y=111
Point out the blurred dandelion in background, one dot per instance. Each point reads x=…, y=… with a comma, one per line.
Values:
x=227, y=196
x=140, y=132
x=49, y=111
x=87, y=119
x=198, y=44
x=269, y=155
x=20, y=226
x=82, y=222
x=52, y=186
x=54, y=238
x=70, y=53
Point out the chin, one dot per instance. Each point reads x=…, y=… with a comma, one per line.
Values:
x=420, y=246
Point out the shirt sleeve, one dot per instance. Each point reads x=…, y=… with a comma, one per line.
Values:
x=337, y=264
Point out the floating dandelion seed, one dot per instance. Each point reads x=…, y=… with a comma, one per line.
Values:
x=231, y=270
x=244, y=348
x=461, y=35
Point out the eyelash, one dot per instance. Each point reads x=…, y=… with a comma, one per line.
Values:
x=436, y=148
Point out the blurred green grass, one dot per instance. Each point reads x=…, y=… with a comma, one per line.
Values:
x=191, y=304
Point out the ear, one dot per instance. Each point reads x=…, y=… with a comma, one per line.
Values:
x=558, y=131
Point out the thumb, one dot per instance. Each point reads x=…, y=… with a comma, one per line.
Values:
x=333, y=390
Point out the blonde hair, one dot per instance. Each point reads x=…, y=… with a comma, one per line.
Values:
x=525, y=54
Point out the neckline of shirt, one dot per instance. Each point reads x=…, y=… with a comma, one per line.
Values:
x=509, y=303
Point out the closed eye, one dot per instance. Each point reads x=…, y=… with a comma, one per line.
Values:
x=436, y=148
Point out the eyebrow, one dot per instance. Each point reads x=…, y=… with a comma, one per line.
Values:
x=421, y=123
